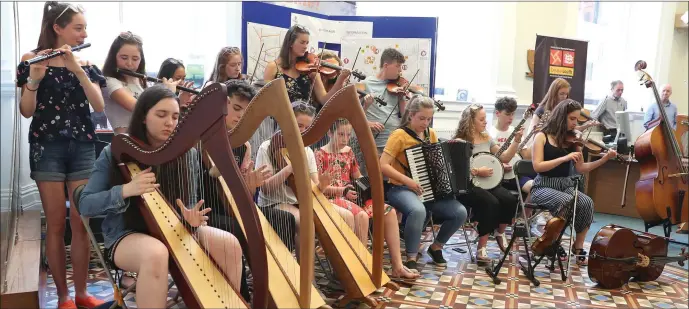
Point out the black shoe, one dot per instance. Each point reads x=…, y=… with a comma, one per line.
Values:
x=412, y=265
x=437, y=256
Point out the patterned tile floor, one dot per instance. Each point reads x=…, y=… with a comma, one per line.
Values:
x=465, y=285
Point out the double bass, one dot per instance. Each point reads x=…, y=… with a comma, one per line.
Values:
x=618, y=254
x=660, y=190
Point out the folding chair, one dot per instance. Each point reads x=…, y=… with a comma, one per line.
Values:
x=525, y=168
x=118, y=295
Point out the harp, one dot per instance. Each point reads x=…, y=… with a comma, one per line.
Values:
x=360, y=272
x=290, y=284
x=198, y=278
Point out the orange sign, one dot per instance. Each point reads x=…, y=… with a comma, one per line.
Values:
x=555, y=57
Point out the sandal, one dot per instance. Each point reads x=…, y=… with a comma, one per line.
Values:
x=501, y=240
x=411, y=275
x=580, y=255
x=482, y=256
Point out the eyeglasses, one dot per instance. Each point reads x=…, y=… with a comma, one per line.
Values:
x=76, y=8
x=128, y=35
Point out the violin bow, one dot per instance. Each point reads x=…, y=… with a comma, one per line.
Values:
x=318, y=67
x=256, y=66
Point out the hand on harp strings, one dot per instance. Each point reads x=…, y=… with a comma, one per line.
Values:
x=195, y=216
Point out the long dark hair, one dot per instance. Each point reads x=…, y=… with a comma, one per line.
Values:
x=110, y=65
x=557, y=123
x=51, y=16
x=286, y=48
x=149, y=98
x=168, y=68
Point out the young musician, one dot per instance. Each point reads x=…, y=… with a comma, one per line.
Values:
x=391, y=61
x=307, y=87
x=239, y=94
x=274, y=192
x=173, y=69
x=329, y=83
x=126, y=52
x=553, y=188
x=404, y=192
x=57, y=94
x=228, y=65
x=337, y=159
x=504, y=114
x=493, y=209
x=128, y=246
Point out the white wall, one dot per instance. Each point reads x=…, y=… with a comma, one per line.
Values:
x=678, y=64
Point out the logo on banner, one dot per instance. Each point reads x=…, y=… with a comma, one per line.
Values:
x=568, y=59
x=555, y=57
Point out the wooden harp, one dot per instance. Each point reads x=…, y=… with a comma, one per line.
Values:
x=199, y=280
x=290, y=284
x=360, y=273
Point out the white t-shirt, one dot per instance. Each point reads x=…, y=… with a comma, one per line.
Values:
x=500, y=137
x=282, y=193
x=118, y=116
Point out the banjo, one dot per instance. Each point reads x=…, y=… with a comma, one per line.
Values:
x=527, y=113
x=490, y=160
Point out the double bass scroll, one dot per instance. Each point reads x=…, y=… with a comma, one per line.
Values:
x=200, y=288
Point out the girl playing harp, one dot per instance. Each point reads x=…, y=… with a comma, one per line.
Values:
x=127, y=244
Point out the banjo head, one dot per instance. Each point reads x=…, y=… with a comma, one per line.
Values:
x=490, y=161
x=515, y=159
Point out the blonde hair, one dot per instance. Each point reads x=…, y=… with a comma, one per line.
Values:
x=218, y=74
x=415, y=105
x=550, y=99
x=466, y=127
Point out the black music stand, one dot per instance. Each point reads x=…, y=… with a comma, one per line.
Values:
x=519, y=230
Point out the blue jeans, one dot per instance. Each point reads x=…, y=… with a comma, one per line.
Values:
x=64, y=160
x=450, y=211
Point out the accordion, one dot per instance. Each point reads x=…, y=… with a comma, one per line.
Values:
x=362, y=186
x=442, y=169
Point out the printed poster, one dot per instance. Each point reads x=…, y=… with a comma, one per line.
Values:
x=332, y=31
x=563, y=58
x=416, y=52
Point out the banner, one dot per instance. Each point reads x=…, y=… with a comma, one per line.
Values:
x=558, y=57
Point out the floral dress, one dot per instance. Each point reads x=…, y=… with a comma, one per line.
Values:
x=62, y=109
x=298, y=89
x=341, y=166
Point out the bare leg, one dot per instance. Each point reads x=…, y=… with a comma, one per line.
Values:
x=81, y=246
x=392, y=238
x=148, y=257
x=225, y=250
x=54, y=207
x=361, y=230
x=346, y=215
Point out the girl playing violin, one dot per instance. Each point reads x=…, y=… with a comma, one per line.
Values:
x=228, y=65
x=551, y=156
x=127, y=244
x=300, y=85
x=337, y=159
x=493, y=209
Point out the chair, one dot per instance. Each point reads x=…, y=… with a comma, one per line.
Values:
x=118, y=294
x=525, y=168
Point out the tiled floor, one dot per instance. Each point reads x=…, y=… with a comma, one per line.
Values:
x=465, y=285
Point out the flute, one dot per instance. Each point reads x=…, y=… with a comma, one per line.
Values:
x=53, y=54
x=155, y=80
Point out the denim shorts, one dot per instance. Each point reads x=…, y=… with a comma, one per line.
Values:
x=67, y=160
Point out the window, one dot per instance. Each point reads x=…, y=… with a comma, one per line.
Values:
x=462, y=65
x=619, y=34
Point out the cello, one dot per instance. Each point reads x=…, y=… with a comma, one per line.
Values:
x=660, y=190
x=618, y=253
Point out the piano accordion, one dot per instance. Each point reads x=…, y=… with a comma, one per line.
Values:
x=442, y=169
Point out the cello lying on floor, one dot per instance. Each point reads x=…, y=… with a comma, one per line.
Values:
x=618, y=254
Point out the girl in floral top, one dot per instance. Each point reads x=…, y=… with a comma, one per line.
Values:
x=57, y=94
x=337, y=159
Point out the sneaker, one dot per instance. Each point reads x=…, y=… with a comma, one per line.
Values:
x=67, y=305
x=437, y=256
x=412, y=265
x=88, y=302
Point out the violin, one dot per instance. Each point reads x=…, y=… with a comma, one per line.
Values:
x=551, y=231
x=311, y=63
x=618, y=253
x=574, y=139
x=401, y=86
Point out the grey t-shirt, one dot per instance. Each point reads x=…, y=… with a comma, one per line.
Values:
x=484, y=147
x=118, y=116
x=376, y=113
x=605, y=111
